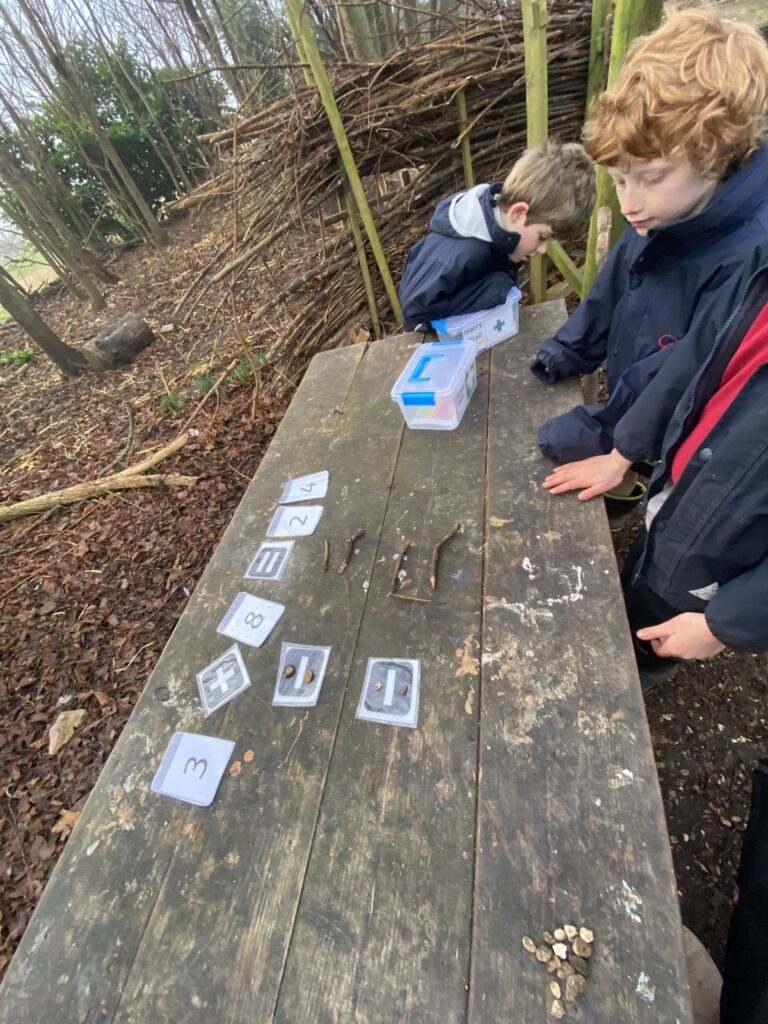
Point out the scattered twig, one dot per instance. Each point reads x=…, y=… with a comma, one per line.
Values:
x=436, y=553
x=326, y=554
x=290, y=749
x=351, y=541
x=95, y=489
x=408, y=597
x=394, y=582
x=207, y=395
x=118, y=463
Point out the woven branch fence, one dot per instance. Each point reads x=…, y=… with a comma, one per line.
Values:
x=280, y=173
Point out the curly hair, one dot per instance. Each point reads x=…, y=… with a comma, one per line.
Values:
x=557, y=181
x=696, y=86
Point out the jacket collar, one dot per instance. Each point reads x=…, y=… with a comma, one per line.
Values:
x=472, y=214
x=738, y=198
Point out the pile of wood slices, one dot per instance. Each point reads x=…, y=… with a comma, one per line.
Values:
x=566, y=954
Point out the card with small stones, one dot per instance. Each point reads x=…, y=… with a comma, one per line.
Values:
x=390, y=692
x=300, y=674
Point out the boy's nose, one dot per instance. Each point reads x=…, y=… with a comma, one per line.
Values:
x=629, y=203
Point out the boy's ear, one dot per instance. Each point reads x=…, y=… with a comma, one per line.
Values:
x=518, y=210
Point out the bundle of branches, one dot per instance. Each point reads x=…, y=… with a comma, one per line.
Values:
x=281, y=165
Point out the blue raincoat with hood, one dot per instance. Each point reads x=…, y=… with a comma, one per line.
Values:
x=462, y=265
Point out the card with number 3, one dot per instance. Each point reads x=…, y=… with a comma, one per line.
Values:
x=192, y=768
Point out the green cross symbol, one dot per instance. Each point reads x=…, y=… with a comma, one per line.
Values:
x=498, y=325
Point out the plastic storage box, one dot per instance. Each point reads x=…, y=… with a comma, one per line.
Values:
x=486, y=327
x=436, y=385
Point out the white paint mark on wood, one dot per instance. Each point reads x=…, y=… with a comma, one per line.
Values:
x=528, y=614
x=630, y=902
x=621, y=777
x=645, y=989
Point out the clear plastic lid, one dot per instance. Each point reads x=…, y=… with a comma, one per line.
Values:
x=435, y=370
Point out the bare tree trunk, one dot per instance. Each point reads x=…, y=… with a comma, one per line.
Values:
x=207, y=36
x=60, y=193
x=53, y=228
x=29, y=231
x=199, y=87
x=165, y=152
x=68, y=359
x=356, y=28
x=144, y=220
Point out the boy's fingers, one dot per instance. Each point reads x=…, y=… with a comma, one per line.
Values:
x=562, y=487
x=659, y=632
x=592, y=492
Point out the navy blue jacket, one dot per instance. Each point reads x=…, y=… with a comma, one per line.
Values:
x=654, y=295
x=462, y=265
x=707, y=547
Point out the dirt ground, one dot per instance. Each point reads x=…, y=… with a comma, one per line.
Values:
x=90, y=594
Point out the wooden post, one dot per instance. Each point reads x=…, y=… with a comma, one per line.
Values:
x=589, y=382
x=565, y=265
x=348, y=204
x=600, y=11
x=630, y=20
x=466, y=154
x=535, y=41
x=297, y=19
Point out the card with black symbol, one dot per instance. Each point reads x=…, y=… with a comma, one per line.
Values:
x=391, y=692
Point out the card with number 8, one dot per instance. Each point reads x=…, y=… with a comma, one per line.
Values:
x=250, y=619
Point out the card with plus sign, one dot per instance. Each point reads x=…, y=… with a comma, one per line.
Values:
x=222, y=680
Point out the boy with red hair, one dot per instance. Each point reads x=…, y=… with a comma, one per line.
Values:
x=680, y=133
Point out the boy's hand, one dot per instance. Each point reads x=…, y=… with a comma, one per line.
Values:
x=685, y=636
x=596, y=475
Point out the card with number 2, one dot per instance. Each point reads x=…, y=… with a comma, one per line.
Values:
x=295, y=521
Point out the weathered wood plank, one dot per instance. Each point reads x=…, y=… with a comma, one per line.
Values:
x=382, y=931
x=570, y=821
x=82, y=941
x=224, y=914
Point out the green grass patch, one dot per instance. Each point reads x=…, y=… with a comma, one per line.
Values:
x=173, y=402
x=17, y=356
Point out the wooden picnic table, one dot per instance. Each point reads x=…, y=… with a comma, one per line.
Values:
x=351, y=871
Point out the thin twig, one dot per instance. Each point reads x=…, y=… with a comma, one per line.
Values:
x=436, y=553
x=408, y=597
x=351, y=541
x=119, y=462
x=290, y=749
x=326, y=554
x=394, y=582
x=207, y=395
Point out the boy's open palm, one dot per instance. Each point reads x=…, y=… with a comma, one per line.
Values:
x=589, y=476
x=685, y=636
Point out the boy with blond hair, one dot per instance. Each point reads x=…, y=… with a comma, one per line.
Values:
x=477, y=238
x=680, y=133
